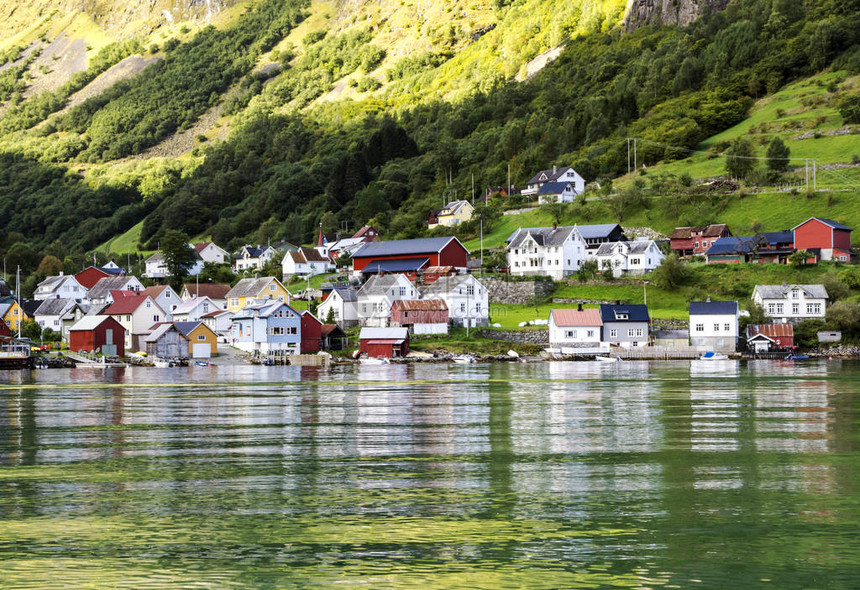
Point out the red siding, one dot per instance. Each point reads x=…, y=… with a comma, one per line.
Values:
x=842, y=239
x=93, y=340
x=453, y=254
x=813, y=234
x=384, y=348
x=311, y=334
x=90, y=276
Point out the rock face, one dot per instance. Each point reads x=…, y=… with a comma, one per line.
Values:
x=667, y=12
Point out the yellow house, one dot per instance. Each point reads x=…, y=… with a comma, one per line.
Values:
x=454, y=213
x=13, y=315
x=202, y=341
x=247, y=291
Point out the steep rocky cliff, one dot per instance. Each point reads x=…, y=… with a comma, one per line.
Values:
x=667, y=12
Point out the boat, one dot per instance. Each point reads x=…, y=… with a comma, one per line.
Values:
x=714, y=356
x=797, y=357
x=608, y=359
x=464, y=359
x=374, y=361
x=203, y=364
x=163, y=363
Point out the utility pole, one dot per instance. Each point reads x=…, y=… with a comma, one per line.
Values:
x=633, y=139
x=18, y=300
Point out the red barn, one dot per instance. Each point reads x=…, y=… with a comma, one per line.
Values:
x=311, y=333
x=446, y=251
x=832, y=239
x=384, y=342
x=98, y=333
x=766, y=337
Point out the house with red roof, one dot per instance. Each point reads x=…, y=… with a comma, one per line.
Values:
x=825, y=238
x=211, y=252
x=136, y=312
x=575, y=328
x=165, y=297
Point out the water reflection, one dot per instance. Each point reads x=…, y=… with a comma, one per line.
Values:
x=549, y=475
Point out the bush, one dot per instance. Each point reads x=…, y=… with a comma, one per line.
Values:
x=849, y=108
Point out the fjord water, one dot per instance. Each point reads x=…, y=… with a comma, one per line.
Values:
x=547, y=475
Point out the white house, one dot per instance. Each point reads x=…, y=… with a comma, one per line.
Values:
x=564, y=174
x=557, y=192
x=156, y=267
x=137, y=313
x=375, y=297
x=305, y=262
x=343, y=301
x=50, y=313
x=791, y=303
x=553, y=251
x=194, y=309
x=220, y=322
x=253, y=258
x=714, y=325
x=211, y=252
x=60, y=287
x=468, y=300
x=165, y=297
x=575, y=329
x=632, y=258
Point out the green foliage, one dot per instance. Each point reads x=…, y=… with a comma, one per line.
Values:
x=799, y=257
x=739, y=158
x=777, y=155
x=806, y=333
x=849, y=108
x=31, y=329
x=179, y=257
x=671, y=273
x=845, y=316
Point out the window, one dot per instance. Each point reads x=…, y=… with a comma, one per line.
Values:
x=716, y=327
x=478, y=307
x=795, y=308
x=272, y=287
x=728, y=327
x=234, y=302
x=779, y=308
x=277, y=331
x=201, y=337
x=700, y=327
x=613, y=333
x=569, y=333
x=631, y=332
x=462, y=308
x=591, y=333
x=156, y=318
x=403, y=291
x=167, y=294
x=771, y=308
x=363, y=308
x=293, y=330
x=128, y=318
x=639, y=332
x=813, y=308
x=149, y=303
x=795, y=293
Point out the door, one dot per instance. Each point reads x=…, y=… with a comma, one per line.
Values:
x=109, y=347
x=201, y=350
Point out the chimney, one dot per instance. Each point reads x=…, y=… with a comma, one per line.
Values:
x=708, y=300
x=579, y=307
x=617, y=302
x=554, y=168
x=554, y=226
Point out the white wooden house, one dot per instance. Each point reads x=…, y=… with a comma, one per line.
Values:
x=714, y=325
x=343, y=302
x=629, y=258
x=564, y=174
x=791, y=303
x=552, y=251
x=468, y=300
x=375, y=297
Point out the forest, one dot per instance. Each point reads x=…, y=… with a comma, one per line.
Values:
x=387, y=156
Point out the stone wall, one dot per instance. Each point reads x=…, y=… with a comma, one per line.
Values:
x=539, y=337
x=517, y=292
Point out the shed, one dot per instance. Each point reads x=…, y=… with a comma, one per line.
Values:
x=167, y=342
x=384, y=342
x=420, y=316
x=202, y=340
x=829, y=336
x=311, y=333
x=98, y=333
x=766, y=337
x=333, y=337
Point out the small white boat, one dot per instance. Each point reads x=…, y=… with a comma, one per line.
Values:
x=464, y=359
x=714, y=356
x=374, y=361
x=608, y=359
x=163, y=363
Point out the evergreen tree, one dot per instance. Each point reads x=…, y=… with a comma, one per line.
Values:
x=777, y=155
x=739, y=158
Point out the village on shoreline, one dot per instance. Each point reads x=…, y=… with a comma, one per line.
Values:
x=430, y=299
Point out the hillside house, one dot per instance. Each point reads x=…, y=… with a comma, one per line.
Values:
x=452, y=214
x=217, y=292
x=775, y=247
x=305, y=262
x=420, y=316
x=565, y=174
x=557, y=192
x=52, y=312
x=695, y=240
x=791, y=303
x=552, y=251
x=156, y=266
x=100, y=294
x=193, y=310
x=211, y=252
x=165, y=297
x=714, y=325
x=250, y=258
x=732, y=250
x=827, y=239
x=629, y=258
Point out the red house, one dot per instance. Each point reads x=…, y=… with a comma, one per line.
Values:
x=420, y=316
x=98, y=333
x=311, y=333
x=384, y=342
x=367, y=232
x=446, y=251
x=5, y=332
x=766, y=337
x=695, y=240
x=826, y=238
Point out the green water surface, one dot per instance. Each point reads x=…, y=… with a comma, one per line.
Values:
x=548, y=475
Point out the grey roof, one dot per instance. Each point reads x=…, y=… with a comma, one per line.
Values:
x=29, y=306
x=444, y=285
x=396, y=265
x=52, y=283
x=733, y=245
x=160, y=331
x=379, y=284
x=5, y=291
x=4, y=307
x=346, y=293
x=604, y=230
x=403, y=247
x=548, y=175
x=107, y=284
x=186, y=327
x=249, y=287
x=55, y=306
x=157, y=257
x=713, y=307
x=634, y=247
x=781, y=291
x=383, y=334
x=544, y=236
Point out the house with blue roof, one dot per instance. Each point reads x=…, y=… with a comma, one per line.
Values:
x=268, y=328
x=444, y=251
x=557, y=192
x=733, y=249
x=714, y=325
x=625, y=325
x=564, y=175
